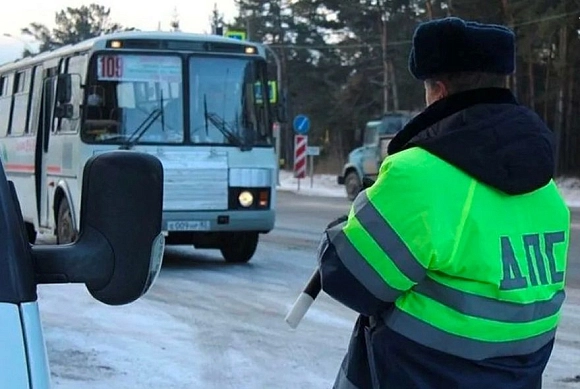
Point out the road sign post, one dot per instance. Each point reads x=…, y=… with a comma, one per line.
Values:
x=311, y=165
x=276, y=133
x=301, y=126
x=311, y=152
x=300, y=145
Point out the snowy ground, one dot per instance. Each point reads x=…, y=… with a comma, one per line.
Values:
x=204, y=324
x=322, y=185
x=211, y=325
x=570, y=189
x=563, y=370
x=214, y=326
x=326, y=185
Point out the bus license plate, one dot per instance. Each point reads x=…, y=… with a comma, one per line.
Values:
x=197, y=225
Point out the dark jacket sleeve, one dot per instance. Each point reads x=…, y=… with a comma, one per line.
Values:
x=339, y=283
x=370, y=258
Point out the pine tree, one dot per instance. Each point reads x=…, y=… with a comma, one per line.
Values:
x=74, y=25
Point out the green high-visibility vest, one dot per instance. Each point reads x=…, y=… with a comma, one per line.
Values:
x=473, y=272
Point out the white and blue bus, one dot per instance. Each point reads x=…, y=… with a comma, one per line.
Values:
x=199, y=103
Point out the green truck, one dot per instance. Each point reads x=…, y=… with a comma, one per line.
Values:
x=365, y=161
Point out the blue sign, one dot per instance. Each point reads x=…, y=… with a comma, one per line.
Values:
x=301, y=124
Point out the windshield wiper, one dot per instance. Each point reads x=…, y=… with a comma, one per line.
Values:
x=224, y=128
x=162, y=108
x=205, y=114
x=142, y=129
x=146, y=124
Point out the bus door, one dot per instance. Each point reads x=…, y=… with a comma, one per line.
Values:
x=45, y=123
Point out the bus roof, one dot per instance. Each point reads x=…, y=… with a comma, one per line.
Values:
x=100, y=42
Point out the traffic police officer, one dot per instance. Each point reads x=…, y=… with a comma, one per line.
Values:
x=456, y=256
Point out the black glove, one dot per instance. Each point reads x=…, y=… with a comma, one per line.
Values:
x=336, y=222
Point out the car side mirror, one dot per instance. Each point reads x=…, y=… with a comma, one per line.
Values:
x=119, y=250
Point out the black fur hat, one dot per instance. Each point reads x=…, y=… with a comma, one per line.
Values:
x=452, y=45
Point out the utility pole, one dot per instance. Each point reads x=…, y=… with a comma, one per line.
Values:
x=217, y=21
x=385, y=58
x=279, y=82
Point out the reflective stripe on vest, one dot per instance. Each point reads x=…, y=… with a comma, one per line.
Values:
x=465, y=347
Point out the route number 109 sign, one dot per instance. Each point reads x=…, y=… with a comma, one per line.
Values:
x=139, y=68
x=110, y=67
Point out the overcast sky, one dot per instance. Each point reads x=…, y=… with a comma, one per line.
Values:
x=193, y=16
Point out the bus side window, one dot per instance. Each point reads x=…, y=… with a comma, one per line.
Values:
x=76, y=68
x=21, y=93
x=35, y=100
x=5, y=103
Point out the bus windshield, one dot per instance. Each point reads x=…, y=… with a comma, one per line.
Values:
x=134, y=97
x=227, y=104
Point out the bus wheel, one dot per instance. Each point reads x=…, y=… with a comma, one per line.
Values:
x=65, y=232
x=239, y=247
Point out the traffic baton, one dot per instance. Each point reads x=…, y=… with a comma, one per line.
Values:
x=304, y=300
x=312, y=288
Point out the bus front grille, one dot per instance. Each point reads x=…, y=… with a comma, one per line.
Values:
x=195, y=181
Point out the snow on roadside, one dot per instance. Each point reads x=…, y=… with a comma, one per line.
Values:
x=563, y=370
x=322, y=185
x=570, y=189
x=325, y=185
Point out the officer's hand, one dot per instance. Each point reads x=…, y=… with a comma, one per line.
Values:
x=336, y=222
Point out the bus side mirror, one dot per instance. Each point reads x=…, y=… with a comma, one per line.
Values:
x=64, y=88
x=119, y=250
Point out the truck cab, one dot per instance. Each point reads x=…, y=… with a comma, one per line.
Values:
x=365, y=161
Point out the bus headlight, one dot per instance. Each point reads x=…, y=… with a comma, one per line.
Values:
x=246, y=199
